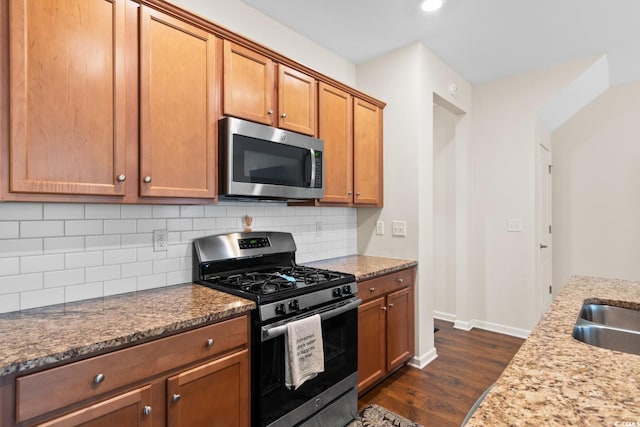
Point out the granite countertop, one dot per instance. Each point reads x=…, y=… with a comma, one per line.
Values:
x=364, y=267
x=557, y=380
x=48, y=335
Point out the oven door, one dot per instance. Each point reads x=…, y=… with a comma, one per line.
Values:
x=277, y=405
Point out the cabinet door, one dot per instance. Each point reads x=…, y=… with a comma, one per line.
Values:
x=67, y=96
x=335, y=127
x=400, y=321
x=297, y=98
x=367, y=153
x=215, y=394
x=178, y=108
x=371, y=342
x=130, y=409
x=248, y=84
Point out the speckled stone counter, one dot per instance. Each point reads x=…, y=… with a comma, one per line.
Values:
x=364, y=267
x=555, y=380
x=48, y=335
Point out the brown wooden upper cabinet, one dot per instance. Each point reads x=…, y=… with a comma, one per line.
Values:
x=178, y=114
x=367, y=153
x=352, y=132
x=67, y=96
x=250, y=91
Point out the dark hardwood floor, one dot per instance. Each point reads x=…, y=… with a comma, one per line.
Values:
x=442, y=393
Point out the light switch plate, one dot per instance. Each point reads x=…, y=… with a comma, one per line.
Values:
x=380, y=228
x=399, y=228
x=514, y=225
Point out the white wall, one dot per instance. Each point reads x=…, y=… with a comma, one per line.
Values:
x=596, y=193
x=407, y=79
x=503, y=153
x=242, y=19
x=54, y=253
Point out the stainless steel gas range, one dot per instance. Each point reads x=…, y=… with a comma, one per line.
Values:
x=261, y=266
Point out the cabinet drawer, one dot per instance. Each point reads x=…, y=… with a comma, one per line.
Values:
x=45, y=391
x=385, y=284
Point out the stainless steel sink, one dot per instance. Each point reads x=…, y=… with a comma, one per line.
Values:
x=611, y=316
x=608, y=326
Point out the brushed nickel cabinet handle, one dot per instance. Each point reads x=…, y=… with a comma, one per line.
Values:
x=372, y=289
x=384, y=308
x=270, y=112
x=283, y=115
x=121, y=177
x=147, y=179
x=98, y=379
x=210, y=342
x=357, y=193
x=176, y=397
x=390, y=305
x=400, y=280
x=147, y=410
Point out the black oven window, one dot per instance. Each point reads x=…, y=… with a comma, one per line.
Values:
x=265, y=162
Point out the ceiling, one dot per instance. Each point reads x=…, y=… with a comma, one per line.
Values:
x=482, y=40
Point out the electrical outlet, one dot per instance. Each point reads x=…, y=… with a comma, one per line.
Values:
x=399, y=228
x=380, y=228
x=514, y=225
x=160, y=240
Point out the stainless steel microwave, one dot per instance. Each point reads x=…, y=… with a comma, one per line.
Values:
x=262, y=162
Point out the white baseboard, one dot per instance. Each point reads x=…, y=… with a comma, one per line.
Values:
x=480, y=324
x=423, y=360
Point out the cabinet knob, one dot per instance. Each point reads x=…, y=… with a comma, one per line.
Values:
x=372, y=290
x=283, y=115
x=390, y=305
x=98, y=379
x=357, y=193
x=384, y=308
x=147, y=179
x=121, y=177
x=147, y=410
x=400, y=280
x=176, y=397
x=349, y=193
x=210, y=342
x=270, y=112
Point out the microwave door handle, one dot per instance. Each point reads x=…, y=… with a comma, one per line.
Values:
x=275, y=331
x=312, y=181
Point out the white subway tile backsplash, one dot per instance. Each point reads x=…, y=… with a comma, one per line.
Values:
x=41, y=263
x=83, y=228
x=20, y=247
x=121, y=286
x=82, y=292
x=20, y=211
x=53, y=279
x=41, y=298
x=64, y=244
x=135, y=211
x=9, y=266
x=135, y=269
x=83, y=259
x=99, y=274
x=102, y=212
x=20, y=283
x=119, y=226
x=83, y=251
x=9, y=229
x=95, y=243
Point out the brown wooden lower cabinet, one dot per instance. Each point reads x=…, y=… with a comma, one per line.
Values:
x=195, y=378
x=385, y=326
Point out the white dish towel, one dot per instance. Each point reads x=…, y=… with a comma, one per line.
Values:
x=303, y=354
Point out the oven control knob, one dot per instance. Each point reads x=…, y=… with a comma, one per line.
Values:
x=346, y=290
x=281, y=309
x=337, y=292
x=294, y=305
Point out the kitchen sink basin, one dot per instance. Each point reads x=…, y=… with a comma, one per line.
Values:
x=611, y=327
x=612, y=316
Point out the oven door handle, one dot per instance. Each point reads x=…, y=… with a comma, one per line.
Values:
x=275, y=331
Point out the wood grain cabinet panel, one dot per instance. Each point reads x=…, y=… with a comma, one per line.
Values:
x=386, y=326
x=178, y=128
x=297, y=99
x=367, y=153
x=248, y=83
x=215, y=394
x=335, y=128
x=67, y=96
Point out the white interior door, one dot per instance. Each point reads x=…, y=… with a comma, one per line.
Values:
x=543, y=207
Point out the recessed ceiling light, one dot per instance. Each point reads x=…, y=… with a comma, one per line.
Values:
x=431, y=5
